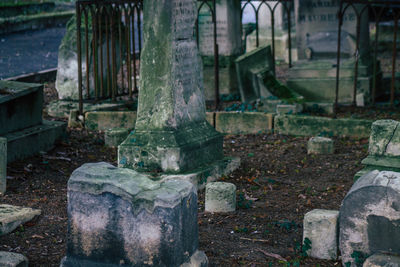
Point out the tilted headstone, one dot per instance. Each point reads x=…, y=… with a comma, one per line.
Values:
x=229, y=45
x=369, y=217
x=119, y=217
x=171, y=132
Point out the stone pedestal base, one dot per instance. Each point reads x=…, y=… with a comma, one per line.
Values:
x=173, y=151
x=118, y=217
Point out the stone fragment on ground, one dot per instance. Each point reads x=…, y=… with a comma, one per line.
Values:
x=320, y=145
x=13, y=216
x=11, y=259
x=220, y=197
x=320, y=227
x=119, y=216
x=370, y=216
x=382, y=260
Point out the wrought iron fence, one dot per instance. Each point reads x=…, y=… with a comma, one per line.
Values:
x=110, y=49
x=380, y=10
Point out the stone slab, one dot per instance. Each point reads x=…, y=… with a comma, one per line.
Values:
x=289, y=109
x=243, y=122
x=321, y=227
x=201, y=176
x=370, y=215
x=119, y=217
x=62, y=108
x=301, y=125
x=248, y=66
x=30, y=141
x=382, y=260
x=13, y=216
x=11, y=259
x=320, y=145
x=3, y=165
x=20, y=106
x=104, y=120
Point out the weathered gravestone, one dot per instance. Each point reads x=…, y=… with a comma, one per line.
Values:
x=118, y=217
x=314, y=76
x=12, y=216
x=229, y=45
x=281, y=24
x=369, y=217
x=21, y=122
x=171, y=132
x=384, y=148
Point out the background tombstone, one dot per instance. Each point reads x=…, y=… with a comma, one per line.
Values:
x=171, y=132
x=369, y=217
x=314, y=76
x=281, y=24
x=229, y=45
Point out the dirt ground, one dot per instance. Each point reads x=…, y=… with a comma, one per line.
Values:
x=277, y=184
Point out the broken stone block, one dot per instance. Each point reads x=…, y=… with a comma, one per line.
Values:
x=320, y=145
x=370, y=216
x=115, y=136
x=11, y=259
x=382, y=260
x=12, y=216
x=220, y=197
x=320, y=227
x=3, y=165
x=288, y=109
x=119, y=217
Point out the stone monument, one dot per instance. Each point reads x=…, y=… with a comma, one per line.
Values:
x=171, y=132
x=281, y=24
x=229, y=45
x=314, y=76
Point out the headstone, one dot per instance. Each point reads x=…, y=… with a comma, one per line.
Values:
x=11, y=259
x=115, y=136
x=281, y=34
x=321, y=227
x=382, y=260
x=119, y=217
x=171, y=132
x=220, y=197
x=3, y=165
x=12, y=216
x=370, y=216
x=384, y=147
x=21, y=123
x=229, y=45
x=320, y=145
x=314, y=75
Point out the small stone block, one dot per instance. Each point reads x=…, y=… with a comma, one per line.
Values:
x=12, y=216
x=73, y=121
x=320, y=145
x=288, y=109
x=3, y=164
x=220, y=197
x=320, y=227
x=382, y=260
x=115, y=136
x=10, y=259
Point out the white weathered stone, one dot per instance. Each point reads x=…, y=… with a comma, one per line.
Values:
x=11, y=259
x=3, y=165
x=13, y=216
x=320, y=227
x=220, y=197
x=320, y=145
x=370, y=216
x=382, y=260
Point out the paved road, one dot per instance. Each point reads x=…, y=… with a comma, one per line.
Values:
x=30, y=51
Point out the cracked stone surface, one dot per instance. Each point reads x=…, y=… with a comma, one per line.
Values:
x=370, y=216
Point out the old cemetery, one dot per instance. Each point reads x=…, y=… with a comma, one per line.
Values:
x=206, y=133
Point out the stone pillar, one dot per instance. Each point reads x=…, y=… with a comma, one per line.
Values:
x=229, y=44
x=171, y=132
